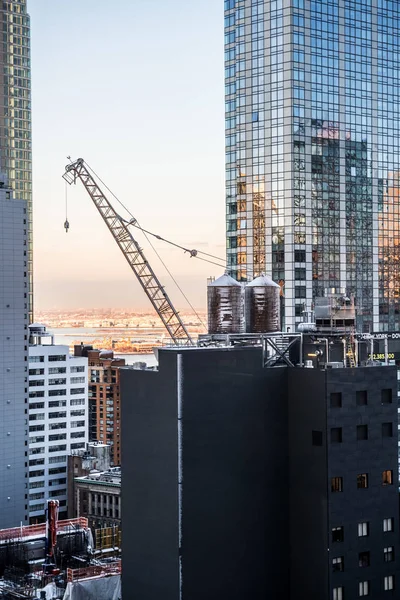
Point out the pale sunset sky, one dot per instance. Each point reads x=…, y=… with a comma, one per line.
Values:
x=135, y=87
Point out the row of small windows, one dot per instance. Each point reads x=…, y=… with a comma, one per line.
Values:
x=55, y=370
x=363, y=529
x=361, y=398
x=362, y=481
x=52, y=393
x=364, y=588
x=56, y=358
x=61, y=404
x=364, y=559
x=361, y=432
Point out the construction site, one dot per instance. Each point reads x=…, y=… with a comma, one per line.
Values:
x=59, y=560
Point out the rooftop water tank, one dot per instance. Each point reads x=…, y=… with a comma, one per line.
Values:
x=263, y=309
x=106, y=354
x=225, y=305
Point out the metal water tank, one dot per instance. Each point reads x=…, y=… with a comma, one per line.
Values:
x=263, y=308
x=225, y=305
x=106, y=354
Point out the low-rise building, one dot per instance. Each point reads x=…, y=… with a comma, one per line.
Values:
x=96, y=456
x=98, y=497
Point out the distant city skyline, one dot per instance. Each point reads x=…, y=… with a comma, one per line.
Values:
x=149, y=118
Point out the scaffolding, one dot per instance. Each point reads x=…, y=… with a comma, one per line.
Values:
x=107, y=538
x=104, y=570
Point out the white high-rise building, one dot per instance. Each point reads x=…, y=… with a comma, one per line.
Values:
x=58, y=418
x=14, y=298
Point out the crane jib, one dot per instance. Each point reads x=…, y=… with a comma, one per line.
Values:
x=132, y=252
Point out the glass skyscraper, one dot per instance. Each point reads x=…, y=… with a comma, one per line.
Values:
x=15, y=113
x=312, y=151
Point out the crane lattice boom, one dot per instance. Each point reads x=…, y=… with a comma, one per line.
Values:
x=132, y=252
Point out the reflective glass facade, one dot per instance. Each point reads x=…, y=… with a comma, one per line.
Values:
x=312, y=151
x=15, y=110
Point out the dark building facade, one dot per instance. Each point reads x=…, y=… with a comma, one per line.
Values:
x=249, y=482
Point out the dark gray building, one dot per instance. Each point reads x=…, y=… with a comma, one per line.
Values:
x=249, y=482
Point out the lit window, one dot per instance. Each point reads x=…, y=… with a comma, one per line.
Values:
x=337, y=484
x=389, y=583
x=363, y=529
x=338, y=563
x=338, y=593
x=388, y=525
x=363, y=588
x=388, y=554
x=387, y=478
x=362, y=481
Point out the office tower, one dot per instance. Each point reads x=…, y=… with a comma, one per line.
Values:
x=15, y=111
x=312, y=151
x=58, y=419
x=13, y=359
x=244, y=481
x=104, y=400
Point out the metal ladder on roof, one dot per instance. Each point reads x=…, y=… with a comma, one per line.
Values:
x=350, y=351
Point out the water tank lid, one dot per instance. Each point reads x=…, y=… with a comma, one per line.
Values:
x=225, y=281
x=262, y=281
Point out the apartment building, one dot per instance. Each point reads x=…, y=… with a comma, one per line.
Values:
x=104, y=398
x=58, y=418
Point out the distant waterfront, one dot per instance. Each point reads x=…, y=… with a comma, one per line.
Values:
x=68, y=335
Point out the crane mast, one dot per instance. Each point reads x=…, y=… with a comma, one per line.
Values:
x=132, y=252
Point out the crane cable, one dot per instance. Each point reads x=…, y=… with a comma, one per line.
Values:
x=134, y=222
x=66, y=222
x=145, y=234
x=193, y=253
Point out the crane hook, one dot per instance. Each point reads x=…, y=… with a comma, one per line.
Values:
x=66, y=222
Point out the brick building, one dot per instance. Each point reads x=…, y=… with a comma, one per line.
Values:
x=104, y=398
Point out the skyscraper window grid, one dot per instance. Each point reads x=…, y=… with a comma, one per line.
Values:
x=312, y=141
x=15, y=111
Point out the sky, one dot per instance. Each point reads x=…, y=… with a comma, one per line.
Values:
x=136, y=89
